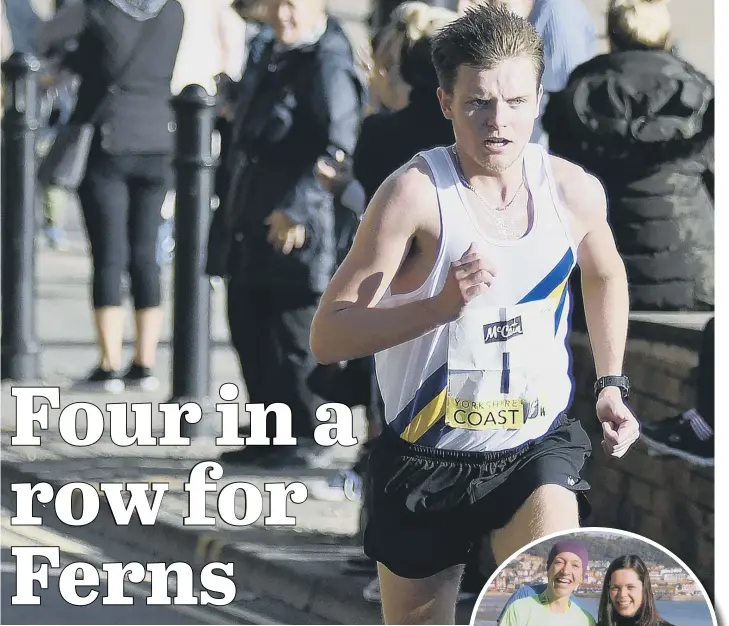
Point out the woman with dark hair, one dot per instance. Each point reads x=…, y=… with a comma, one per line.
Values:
x=627, y=597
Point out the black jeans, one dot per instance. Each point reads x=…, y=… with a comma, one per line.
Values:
x=270, y=331
x=121, y=198
x=705, y=377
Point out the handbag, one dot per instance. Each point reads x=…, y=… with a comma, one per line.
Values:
x=65, y=163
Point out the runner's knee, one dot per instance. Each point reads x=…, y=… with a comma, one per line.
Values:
x=429, y=600
x=549, y=509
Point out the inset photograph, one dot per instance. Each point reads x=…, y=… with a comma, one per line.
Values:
x=594, y=576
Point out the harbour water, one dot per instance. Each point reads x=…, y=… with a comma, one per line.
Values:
x=676, y=613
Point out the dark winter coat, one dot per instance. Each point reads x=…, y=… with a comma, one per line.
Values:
x=643, y=123
x=390, y=139
x=292, y=108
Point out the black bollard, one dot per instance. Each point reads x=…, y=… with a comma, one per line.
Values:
x=20, y=354
x=194, y=187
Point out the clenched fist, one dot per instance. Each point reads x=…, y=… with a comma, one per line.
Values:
x=468, y=278
x=620, y=428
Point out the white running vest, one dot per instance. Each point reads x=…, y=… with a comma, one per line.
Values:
x=500, y=375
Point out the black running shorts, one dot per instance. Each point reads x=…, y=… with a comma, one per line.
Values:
x=427, y=507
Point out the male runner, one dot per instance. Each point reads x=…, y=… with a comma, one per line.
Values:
x=456, y=282
x=566, y=567
x=569, y=36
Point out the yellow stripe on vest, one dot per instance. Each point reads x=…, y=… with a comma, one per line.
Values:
x=425, y=420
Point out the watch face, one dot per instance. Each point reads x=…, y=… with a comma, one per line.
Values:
x=621, y=382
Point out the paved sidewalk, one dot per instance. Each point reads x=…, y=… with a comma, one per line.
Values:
x=300, y=566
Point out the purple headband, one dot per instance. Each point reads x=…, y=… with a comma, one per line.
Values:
x=574, y=547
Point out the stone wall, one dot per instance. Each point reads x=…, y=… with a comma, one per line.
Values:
x=662, y=498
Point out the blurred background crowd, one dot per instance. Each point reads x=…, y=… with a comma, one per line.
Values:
x=309, y=125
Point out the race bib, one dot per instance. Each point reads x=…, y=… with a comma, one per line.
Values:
x=485, y=415
x=498, y=366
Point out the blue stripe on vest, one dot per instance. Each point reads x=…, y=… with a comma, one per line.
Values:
x=552, y=280
x=431, y=387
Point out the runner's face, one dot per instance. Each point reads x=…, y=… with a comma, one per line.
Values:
x=565, y=574
x=626, y=592
x=493, y=111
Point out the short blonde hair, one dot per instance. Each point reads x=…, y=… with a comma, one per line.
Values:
x=409, y=22
x=640, y=24
x=409, y=25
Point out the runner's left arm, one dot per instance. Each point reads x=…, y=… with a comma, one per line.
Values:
x=604, y=280
x=606, y=301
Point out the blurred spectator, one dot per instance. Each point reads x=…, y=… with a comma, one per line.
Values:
x=213, y=43
x=273, y=236
x=388, y=139
x=381, y=13
x=252, y=16
x=21, y=17
x=404, y=80
x=212, y=52
x=642, y=120
x=129, y=169
x=21, y=20
x=387, y=88
x=6, y=35
x=59, y=92
x=690, y=435
x=255, y=15
x=569, y=40
x=253, y=11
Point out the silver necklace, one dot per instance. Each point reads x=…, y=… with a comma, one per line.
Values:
x=470, y=187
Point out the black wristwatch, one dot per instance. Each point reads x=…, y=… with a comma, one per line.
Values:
x=621, y=382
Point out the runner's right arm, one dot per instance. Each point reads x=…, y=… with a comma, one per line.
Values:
x=347, y=325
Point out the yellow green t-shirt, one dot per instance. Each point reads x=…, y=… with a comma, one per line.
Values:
x=534, y=611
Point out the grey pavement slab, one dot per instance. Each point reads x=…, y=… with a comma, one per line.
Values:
x=313, y=516
x=66, y=339
x=298, y=568
x=98, y=550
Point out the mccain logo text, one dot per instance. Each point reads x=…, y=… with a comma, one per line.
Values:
x=502, y=331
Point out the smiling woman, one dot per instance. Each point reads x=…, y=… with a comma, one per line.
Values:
x=566, y=567
x=627, y=596
x=597, y=576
